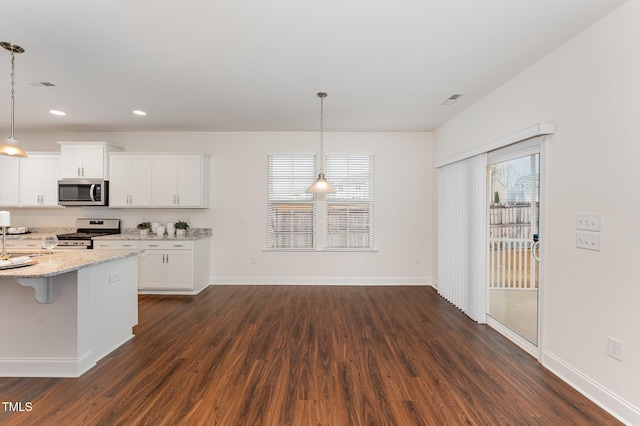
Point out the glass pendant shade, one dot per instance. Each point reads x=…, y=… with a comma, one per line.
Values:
x=11, y=148
x=321, y=186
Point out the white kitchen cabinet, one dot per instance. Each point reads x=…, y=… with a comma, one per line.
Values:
x=39, y=174
x=116, y=245
x=9, y=183
x=85, y=159
x=166, y=265
x=23, y=245
x=130, y=184
x=180, y=180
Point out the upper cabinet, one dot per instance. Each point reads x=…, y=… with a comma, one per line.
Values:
x=85, y=159
x=159, y=180
x=10, y=187
x=179, y=180
x=130, y=184
x=39, y=174
x=31, y=181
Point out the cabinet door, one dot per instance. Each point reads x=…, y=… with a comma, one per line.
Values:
x=140, y=181
x=71, y=161
x=51, y=177
x=165, y=183
x=39, y=176
x=152, y=270
x=31, y=181
x=179, y=269
x=9, y=188
x=190, y=180
x=120, y=183
x=93, y=161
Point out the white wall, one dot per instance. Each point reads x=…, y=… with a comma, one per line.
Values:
x=403, y=209
x=590, y=87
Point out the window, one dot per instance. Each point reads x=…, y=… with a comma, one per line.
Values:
x=347, y=221
x=290, y=211
x=349, y=211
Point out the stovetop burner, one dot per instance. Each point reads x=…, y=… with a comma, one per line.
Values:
x=86, y=230
x=84, y=235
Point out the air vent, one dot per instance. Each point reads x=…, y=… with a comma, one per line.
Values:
x=453, y=98
x=41, y=84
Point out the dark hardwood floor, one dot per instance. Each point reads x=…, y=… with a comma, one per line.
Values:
x=306, y=355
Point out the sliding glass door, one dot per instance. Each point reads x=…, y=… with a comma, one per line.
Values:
x=514, y=239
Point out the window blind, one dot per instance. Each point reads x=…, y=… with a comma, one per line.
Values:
x=290, y=211
x=349, y=211
x=462, y=255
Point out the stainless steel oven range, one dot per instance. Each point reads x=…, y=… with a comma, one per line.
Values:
x=86, y=230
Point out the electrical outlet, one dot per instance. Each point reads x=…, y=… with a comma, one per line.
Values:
x=418, y=261
x=253, y=260
x=241, y=220
x=114, y=277
x=614, y=348
x=588, y=240
x=588, y=222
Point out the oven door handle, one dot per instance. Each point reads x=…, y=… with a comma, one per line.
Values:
x=92, y=191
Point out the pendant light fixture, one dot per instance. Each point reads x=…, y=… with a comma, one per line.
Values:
x=10, y=145
x=321, y=185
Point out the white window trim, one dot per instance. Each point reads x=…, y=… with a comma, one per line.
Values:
x=320, y=212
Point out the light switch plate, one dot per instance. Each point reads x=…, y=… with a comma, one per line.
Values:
x=588, y=222
x=588, y=240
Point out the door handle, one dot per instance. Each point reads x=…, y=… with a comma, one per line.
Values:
x=92, y=191
x=535, y=251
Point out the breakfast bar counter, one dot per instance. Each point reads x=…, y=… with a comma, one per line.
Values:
x=61, y=313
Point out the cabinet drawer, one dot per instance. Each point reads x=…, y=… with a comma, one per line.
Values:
x=23, y=244
x=166, y=245
x=116, y=245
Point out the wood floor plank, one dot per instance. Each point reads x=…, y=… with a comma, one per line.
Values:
x=306, y=355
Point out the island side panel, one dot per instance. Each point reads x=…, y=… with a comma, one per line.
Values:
x=39, y=339
x=109, y=291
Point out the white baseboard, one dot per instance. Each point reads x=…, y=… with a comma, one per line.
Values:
x=610, y=402
x=271, y=280
x=46, y=367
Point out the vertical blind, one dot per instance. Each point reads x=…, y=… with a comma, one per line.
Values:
x=290, y=211
x=349, y=211
x=462, y=235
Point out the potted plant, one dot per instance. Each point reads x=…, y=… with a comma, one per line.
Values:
x=144, y=227
x=181, y=227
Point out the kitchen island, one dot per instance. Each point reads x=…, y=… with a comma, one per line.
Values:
x=63, y=313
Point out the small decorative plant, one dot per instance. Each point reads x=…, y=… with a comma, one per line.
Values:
x=181, y=227
x=144, y=227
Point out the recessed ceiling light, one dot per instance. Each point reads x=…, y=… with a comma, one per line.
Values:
x=138, y=112
x=56, y=112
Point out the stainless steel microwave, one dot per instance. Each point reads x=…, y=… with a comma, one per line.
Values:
x=83, y=192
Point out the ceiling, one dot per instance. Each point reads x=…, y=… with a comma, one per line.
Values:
x=255, y=65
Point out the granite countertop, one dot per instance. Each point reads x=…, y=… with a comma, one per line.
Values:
x=29, y=236
x=128, y=234
x=192, y=235
x=62, y=261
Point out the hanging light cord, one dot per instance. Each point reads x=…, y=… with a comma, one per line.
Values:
x=13, y=84
x=322, y=95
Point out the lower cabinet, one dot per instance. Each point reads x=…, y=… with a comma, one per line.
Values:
x=116, y=245
x=167, y=266
x=23, y=245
